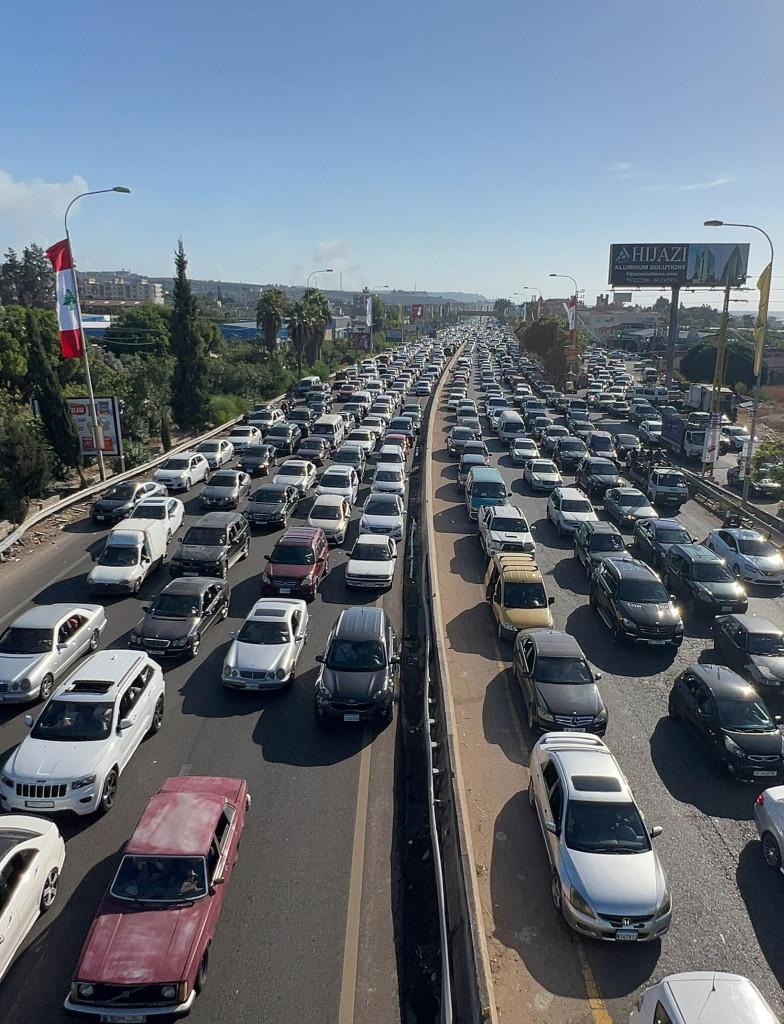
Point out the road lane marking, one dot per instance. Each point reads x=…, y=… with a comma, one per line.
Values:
x=348, y=984
x=29, y=600
x=595, y=1001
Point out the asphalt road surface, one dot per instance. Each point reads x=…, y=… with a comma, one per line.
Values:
x=307, y=932
x=727, y=905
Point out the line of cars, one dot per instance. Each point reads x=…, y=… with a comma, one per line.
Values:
x=583, y=803
x=99, y=705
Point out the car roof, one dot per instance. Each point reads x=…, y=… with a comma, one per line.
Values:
x=696, y=553
x=327, y=499
x=177, y=824
x=361, y=623
x=754, y=623
x=553, y=643
x=598, y=526
x=570, y=492
x=102, y=673
x=276, y=608
x=593, y=764
x=629, y=566
x=218, y=519
x=42, y=616
x=155, y=499
x=717, y=996
x=299, y=535
x=191, y=584
x=721, y=681
x=741, y=534
x=505, y=512
x=374, y=539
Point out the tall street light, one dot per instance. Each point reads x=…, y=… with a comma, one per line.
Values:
x=95, y=425
x=328, y=270
x=569, y=277
x=762, y=326
x=531, y=288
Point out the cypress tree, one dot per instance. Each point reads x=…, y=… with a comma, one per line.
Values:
x=190, y=397
x=58, y=423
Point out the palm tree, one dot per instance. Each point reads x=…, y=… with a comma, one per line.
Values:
x=299, y=319
x=270, y=312
x=319, y=315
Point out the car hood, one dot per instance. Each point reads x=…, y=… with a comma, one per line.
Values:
x=353, y=685
x=638, y=511
x=768, y=563
x=757, y=742
x=16, y=666
x=157, y=627
x=169, y=474
x=113, y=573
x=729, y=591
x=289, y=570
x=546, y=478
x=765, y=665
x=505, y=537
x=570, y=699
x=360, y=567
x=649, y=614
x=219, y=492
x=604, y=478
x=529, y=618
x=255, y=460
x=259, y=656
x=328, y=525
x=265, y=506
x=109, y=504
x=620, y=885
x=138, y=946
x=382, y=521
x=201, y=552
x=44, y=759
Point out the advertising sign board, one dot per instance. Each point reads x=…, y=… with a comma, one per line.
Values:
x=417, y=311
x=109, y=419
x=689, y=265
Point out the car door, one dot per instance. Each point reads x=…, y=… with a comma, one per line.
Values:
x=552, y=811
x=173, y=515
x=677, y=572
x=211, y=605
x=135, y=707
x=299, y=629
x=525, y=656
x=611, y=503
x=736, y=646
x=16, y=912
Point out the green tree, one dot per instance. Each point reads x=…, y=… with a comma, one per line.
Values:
x=58, y=423
x=319, y=315
x=300, y=323
x=768, y=460
x=190, y=397
x=699, y=363
x=143, y=329
x=25, y=458
x=270, y=314
x=547, y=339
x=10, y=276
x=501, y=306
x=36, y=283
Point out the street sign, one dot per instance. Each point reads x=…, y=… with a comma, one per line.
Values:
x=690, y=265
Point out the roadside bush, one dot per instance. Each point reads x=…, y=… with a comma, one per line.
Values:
x=227, y=407
x=136, y=454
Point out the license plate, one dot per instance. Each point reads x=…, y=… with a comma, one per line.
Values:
x=251, y=686
x=42, y=804
x=658, y=643
x=764, y=774
x=189, y=572
x=284, y=590
x=101, y=518
x=626, y=935
x=124, y=1018
x=351, y=718
x=726, y=608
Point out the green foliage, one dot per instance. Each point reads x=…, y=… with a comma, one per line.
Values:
x=136, y=454
x=191, y=339
x=699, y=363
x=227, y=407
x=702, y=317
x=25, y=458
x=28, y=281
x=547, y=339
x=271, y=310
x=768, y=460
x=145, y=330
x=501, y=306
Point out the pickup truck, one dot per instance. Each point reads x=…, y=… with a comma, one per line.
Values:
x=662, y=483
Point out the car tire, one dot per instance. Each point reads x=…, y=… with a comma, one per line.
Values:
x=245, y=550
x=137, y=586
x=771, y=850
x=531, y=797
x=556, y=893
x=531, y=711
x=49, y=891
x=204, y=967
x=157, y=716
x=47, y=685
x=195, y=645
x=224, y=613
x=95, y=639
x=188, y=484
x=672, y=710
x=108, y=792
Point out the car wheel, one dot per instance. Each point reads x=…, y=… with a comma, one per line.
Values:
x=157, y=717
x=771, y=851
x=246, y=549
x=204, y=967
x=94, y=641
x=592, y=598
x=168, y=538
x=137, y=586
x=532, y=717
x=49, y=891
x=531, y=797
x=555, y=891
x=195, y=645
x=224, y=612
x=109, y=792
x=188, y=484
x=47, y=685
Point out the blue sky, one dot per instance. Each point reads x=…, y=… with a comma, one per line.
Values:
x=459, y=146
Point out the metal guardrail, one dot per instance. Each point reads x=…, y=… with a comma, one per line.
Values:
x=763, y=521
x=88, y=492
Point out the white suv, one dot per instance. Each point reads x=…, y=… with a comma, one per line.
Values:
x=567, y=507
x=85, y=736
x=504, y=528
x=180, y=472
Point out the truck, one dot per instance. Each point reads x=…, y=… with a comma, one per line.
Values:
x=652, y=472
x=134, y=549
x=699, y=398
x=685, y=435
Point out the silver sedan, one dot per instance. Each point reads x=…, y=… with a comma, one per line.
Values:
x=769, y=819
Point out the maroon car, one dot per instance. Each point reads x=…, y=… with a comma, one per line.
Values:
x=147, y=950
x=297, y=565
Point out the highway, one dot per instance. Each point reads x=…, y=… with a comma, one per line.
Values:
x=307, y=933
x=727, y=905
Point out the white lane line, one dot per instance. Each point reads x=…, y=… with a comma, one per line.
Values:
x=348, y=984
x=29, y=600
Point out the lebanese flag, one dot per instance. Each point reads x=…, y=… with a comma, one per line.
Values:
x=571, y=313
x=67, y=300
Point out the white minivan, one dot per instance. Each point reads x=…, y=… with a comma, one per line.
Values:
x=509, y=425
x=332, y=428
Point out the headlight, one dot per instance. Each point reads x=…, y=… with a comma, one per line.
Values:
x=86, y=991
x=265, y=577
x=87, y=780
x=324, y=691
x=135, y=638
x=579, y=902
x=510, y=626
x=544, y=714
x=183, y=641
x=25, y=685
x=601, y=717
x=666, y=904
x=309, y=578
x=629, y=624
x=169, y=991
x=280, y=673
x=6, y=781
x=733, y=747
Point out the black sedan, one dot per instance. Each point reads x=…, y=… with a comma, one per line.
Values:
x=315, y=449
x=284, y=437
x=258, y=459
x=730, y=722
x=179, y=615
x=271, y=505
x=652, y=538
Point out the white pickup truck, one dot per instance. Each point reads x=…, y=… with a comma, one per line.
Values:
x=504, y=528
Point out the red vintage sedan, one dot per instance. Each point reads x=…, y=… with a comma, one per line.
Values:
x=147, y=950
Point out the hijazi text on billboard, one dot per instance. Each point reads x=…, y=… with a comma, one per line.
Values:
x=690, y=265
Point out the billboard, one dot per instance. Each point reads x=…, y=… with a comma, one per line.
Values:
x=689, y=265
x=109, y=419
x=417, y=311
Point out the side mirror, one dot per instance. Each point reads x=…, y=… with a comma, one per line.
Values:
x=551, y=600
x=672, y=597
x=551, y=827
x=319, y=658
x=145, y=607
x=124, y=723
x=62, y=647
x=233, y=634
x=777, y=719
x=29, y=721
x=218, y=880
x=509, y=494
x=266, y=558
x=655, y=832
x=395, y=659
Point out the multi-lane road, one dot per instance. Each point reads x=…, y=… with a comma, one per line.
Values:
x=308, y=932
x=727, y=905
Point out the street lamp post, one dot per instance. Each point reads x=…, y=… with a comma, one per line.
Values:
x=762, y=326
x=95, y=426
x=328, y=270
x=570, y=278
x=531, y=288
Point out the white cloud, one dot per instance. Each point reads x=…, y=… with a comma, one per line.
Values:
x=618, y=166
x=28, y=208
x=329, y=252
x=705, y=184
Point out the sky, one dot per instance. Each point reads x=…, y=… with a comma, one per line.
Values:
x=451, y=146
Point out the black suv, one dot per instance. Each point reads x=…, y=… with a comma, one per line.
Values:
x=558, y=684
x=357, y=678
x=595, y=474
x=632, y=602
x=284, y=437
x=702, y=579
x=211, y=545
x=568, y=452
x=594, y=541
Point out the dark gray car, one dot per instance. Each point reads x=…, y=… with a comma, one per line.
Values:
x=213, y=544
x=121, y=499
x=179, y=615
x=226, y=489
x=271, y=505
x=258, y=459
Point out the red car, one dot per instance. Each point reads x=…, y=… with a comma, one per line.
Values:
x=297, y=564
x=399, y=439
x=147, y=950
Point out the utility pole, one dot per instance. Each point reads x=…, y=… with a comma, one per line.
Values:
x=711, y=450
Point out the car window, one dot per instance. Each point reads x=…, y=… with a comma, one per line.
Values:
x=12, y=874
x=224, y=825
x=660, y=1015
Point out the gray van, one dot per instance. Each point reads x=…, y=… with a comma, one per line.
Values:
x=509, y=426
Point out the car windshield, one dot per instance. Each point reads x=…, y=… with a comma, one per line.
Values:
x=143, y=511
x=223, y=480
x=764, y=644
x=509, y=525
x=672, y=535
x=712, y=572
x=175, y=464
x=543, y=467
x=74, y=721
x=603, y=444
x=489, y=489
x=119, y=555
x=595, y=827
x=335, y=480
x=671, y=479
x=289, y=470
x=293, y=554
x=576, y=505
x=562, y=670
x=572, y=444
x=327, y=512
x=356, y=656
x=175, y=606
x=380, y=507
x=371, y=552
x=16, y=640
x=160, y=879
x=257, y=451
x=269, y=495
x=120, y=492
x=388, y=475
x=644, y=591
x=603, y=467
x=208, y=536
x=346, y=455
x=524, y=595
x=461, y=433
x=632, y=500
x=749, y=715
x=262, y=631
x=607, y=542
x=756, y=547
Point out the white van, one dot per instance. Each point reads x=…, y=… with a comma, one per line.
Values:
x=656, y=394
x=332, y=427
x=134, y=549
x=510, y=425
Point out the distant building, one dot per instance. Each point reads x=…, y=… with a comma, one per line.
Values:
x=119, y=287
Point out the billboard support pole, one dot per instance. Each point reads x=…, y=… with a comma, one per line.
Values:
x=672, y=336
x=714, y=424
